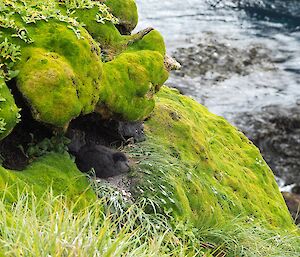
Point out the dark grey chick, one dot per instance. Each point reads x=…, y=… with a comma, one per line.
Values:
x=77, y=138
x=105, y=161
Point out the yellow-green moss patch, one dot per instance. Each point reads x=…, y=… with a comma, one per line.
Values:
x=55, y=171
x=60, y=75
x=9, y=112
x=49, y=84
x=125, y=11
x=106, y=34
x=129, y=83
x=152, y=41
x=61, y=66
x=204, y=170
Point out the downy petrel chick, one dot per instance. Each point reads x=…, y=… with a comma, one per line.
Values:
x=105, y=161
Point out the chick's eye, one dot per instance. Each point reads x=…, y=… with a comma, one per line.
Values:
x=119, y=157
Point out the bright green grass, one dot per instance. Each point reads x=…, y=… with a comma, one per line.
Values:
x=52, y=226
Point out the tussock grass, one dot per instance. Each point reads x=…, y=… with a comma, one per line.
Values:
x=52, y=226
x=239, y=236
x=111, y=226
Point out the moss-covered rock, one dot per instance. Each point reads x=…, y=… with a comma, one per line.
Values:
x=203, y=170
x=49, y=84
x=55, y=171
x=150, y=41
x=126, y=12
x=194, y=167
x=9, y=112
x=129, y=83
x=199, y=167
x=60, y=75
x=60, y=67
x=106, y=33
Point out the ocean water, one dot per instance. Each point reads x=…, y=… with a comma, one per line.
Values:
x=239, y=58
x=185, y=23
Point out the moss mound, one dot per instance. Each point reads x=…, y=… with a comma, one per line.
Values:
x=203, y=170
x=58, y=62
x=104, y=33
x=9, y=112
x=70, y=58
x=55, y=171
x=129, y=83
x=60, y=76
x=48, y=83
x=151, y=41
x=126, y=11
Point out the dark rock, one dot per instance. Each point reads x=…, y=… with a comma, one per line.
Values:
x=77, y=138
x=276, y=131
x=13, y=148
x=215, y=60
x=127, y=130
x=296, y=189
x=108, y=132
x=293, y=203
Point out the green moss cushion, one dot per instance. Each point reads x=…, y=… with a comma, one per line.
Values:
x=59, y=69
x=49, y=84
x=152, y=41
x=125, y=11
x=129, y=83
x=55, y=171
x=203, y=169
x=60, y=75
x=9, y=112
x=106, y=34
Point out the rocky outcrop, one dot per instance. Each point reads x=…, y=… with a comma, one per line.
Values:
x=293, y=203
x=64, y=63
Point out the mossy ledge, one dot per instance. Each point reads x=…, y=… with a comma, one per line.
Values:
x=52, y=171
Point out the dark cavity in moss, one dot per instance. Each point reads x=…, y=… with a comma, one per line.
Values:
x=31, y=139
x=108, y=132
x=14, y=147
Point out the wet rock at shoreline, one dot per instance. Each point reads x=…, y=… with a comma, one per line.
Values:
x=215, y=60
x=276, y=131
